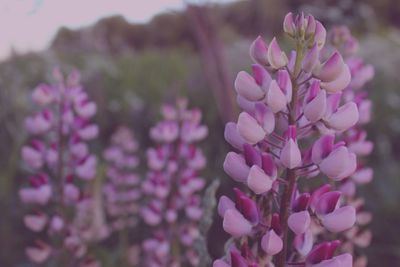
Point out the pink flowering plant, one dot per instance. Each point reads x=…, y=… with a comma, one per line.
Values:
x=296, y=144
x=122, y=189
x=172, y=187
x=59, y=160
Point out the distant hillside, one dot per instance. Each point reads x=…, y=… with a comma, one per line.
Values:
x=241, y=18
x=115, y=34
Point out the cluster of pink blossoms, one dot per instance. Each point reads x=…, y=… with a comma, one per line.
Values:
x=59, y=159
x=172, y=187
x=301, y=120
x=122, y=190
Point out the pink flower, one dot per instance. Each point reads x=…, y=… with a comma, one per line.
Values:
x=334, y=218
x=333, y=160
x=322, y=256
x=43, y=95
x=38, y=253
x=33, y=154
x=35, y=222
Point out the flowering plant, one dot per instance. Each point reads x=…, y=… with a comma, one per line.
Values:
x=172, y=187
x=60, y=162
x=299, y=114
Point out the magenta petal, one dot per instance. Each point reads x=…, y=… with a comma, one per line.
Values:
x=327, y=202
x=344, y=118
x=258, y=181
x=340, y=219
x=247, y=87
x=271, y=243
x=235, y=224
x=236, y=167
x=290, y=155
x=249, y=128
x=299, y=222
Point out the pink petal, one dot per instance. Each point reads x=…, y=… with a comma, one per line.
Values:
x=319, y=35
x=276, y=57
x=276, y=99
x=322, y=147
x=340, y=83
x=345, y=117
x=316, y=108
x=299, y=222
x=331, y=68
x=235, y=224
x=311, y=59
x=271, y=243
x=340, y=219
x=249, y=128
x=232, y=136
x=258, y=181
x=304, y=242
x=225, y=204
x=247, y=87
x=258, y=51
x=235, y=166
x=35, y=222
x=290, y=155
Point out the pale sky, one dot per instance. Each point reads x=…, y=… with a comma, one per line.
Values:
x=29, y=25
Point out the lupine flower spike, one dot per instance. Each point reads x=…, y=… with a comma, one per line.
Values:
x=59, y=160
x=301, y=120
x=172, y=187
x=122, y=189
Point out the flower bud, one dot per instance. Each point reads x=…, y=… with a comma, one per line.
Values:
x=276, y=57
x=288, y=24
x=271, y=243
x=258, y=51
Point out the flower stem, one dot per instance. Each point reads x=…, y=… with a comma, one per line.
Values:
x=291, y=173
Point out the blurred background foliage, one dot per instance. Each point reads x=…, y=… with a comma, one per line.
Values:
x=129, y=69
